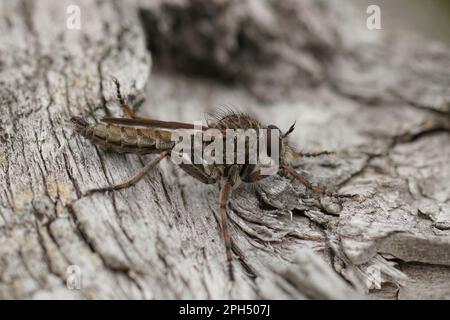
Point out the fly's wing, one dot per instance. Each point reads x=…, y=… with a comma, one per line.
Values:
x=146, y=122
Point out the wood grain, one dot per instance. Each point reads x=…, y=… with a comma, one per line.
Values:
x=383, y=106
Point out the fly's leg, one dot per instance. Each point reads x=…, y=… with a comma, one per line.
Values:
x=125, y=107
x=224, y=198
x=315, y=189
x=298, y=154
x=135, y=179
x=311, y=154
x=255, y=176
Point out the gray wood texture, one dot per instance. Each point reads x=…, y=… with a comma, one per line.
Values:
x=381, y=104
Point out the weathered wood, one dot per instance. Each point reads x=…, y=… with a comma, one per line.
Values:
x=384, y=108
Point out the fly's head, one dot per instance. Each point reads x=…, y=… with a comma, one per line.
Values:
x=286, y=153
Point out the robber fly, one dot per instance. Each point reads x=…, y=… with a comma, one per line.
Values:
x=141, y=136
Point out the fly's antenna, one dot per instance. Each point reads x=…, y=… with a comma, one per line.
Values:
x=291, y=128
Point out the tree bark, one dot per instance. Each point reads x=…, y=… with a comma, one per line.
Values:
x=381, y=104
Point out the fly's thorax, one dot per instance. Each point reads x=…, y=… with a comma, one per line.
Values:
x=234, y=120
x=232, y=139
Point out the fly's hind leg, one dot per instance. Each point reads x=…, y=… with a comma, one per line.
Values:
x=135, y=179
x=224, y=198
x=125, y=107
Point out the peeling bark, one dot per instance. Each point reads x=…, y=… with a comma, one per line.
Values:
x=382, y=107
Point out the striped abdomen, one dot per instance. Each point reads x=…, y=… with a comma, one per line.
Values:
x=124, y=139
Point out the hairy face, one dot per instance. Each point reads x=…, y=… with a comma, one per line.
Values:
x=286, y=152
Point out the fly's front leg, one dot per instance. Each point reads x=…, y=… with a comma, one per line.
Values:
x=298, y=154
x=255, y=177
x=315, y=189
x=150, y=165
x=224, y=198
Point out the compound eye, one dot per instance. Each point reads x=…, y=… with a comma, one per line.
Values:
x=269, y=138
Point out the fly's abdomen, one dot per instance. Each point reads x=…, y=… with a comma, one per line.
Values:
x=124, y=139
